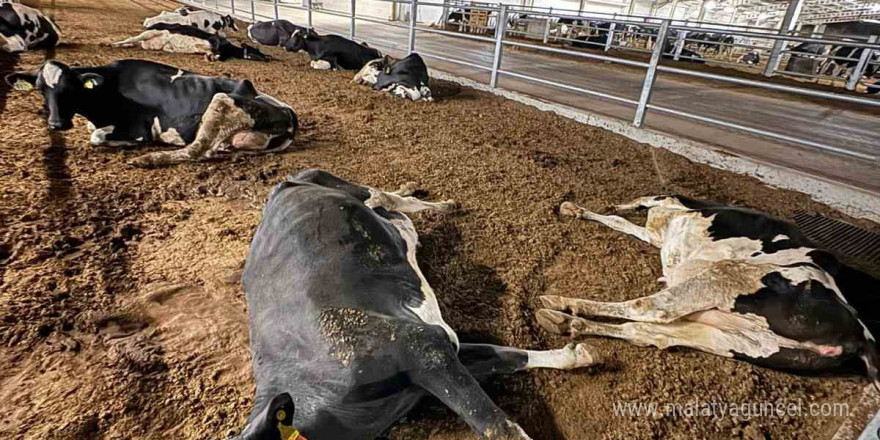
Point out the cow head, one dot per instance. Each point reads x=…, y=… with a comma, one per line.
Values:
x=62, y=89
x=229, y=22
x=296, y=42
x=370, y=72
x=275, y=422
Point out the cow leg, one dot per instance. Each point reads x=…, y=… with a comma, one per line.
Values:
x=483, y=360
x=436, y=369
x=221, y=121
x=396, y=201
x=612, y=221
x=321, y=65
x=143, y=36
x=716, y=286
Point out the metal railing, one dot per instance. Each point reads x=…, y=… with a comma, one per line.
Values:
x=665, y=29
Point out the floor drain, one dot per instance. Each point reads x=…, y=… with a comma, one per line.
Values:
x=841, y=237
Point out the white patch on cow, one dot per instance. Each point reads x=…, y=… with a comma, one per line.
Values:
x=99, y=135
x=196, y=18
x=429, y=310
x=156, y=129
x=250, y=35
x=51, y=74
x=272, y=100
x=90, y=126
x=140, y=139
x=369, y=74
x=13, y=43
x=178, y=75
x=780, y=237
x=172, y=137
x=405, y=92
x=321, y=65
x=569, y=357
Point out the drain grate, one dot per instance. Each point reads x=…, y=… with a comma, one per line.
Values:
x=840, y=237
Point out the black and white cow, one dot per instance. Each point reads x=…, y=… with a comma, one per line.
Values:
x=273, y=33
x=210, y=22
x=406, y=77
x=344, y=323
x=846, y=58
x=740, y=284
x=136, y=101
x=181, y=38
x=332, y=51
x=686, y=54
x=23, y=28
x=752, y=58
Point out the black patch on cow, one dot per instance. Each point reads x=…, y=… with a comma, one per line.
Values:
x=217, y=25
x=207, y=23
x=808, y=311
x=733, y=222
x=804, y=361
x=861, y=290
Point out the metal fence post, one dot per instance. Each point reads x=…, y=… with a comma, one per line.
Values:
x=546, y=31
x=353, y=24
x=309, y=14
x=413, y=12
x=859, y=70
x=500, y=30
x=232, y=5
x=275, y=6
x=679, y=45
x=253, y=12
x=610, y=36
x=217, y=5
x=651, y=75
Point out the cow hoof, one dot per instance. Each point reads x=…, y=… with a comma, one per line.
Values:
x=570, y=209
x=408, y=189
x=553, y=302
x=554, y=322
x=584, y=355
x=449, y=206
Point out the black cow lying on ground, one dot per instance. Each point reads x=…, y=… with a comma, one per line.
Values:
x=136, y=101
x=685, y=54
x=273, y=33
x=332, y=51
x=23, y=28
x=343, y=320
x=180, y=38
x=209, y=22
x=740, y=284
x=406, y=77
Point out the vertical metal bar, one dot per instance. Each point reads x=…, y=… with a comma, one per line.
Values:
x=788, y=23
x=651, y=75
x=351, y=27
x=610, y=36
x=217, y=5
x=309, y=14
x=232, y=4
x=679, y=45
x=253, y=13
x=546, y=30
x=500, y=30
x=413, y=13
x=275, y=6
x=860, y=68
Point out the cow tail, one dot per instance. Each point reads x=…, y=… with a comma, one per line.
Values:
x=871, y=356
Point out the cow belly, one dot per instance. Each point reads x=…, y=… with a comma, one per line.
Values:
x=175, y=43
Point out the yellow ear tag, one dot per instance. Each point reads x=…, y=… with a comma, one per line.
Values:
x=388, y=70
x=287, y=432
x=89, y=84
x=22, y=85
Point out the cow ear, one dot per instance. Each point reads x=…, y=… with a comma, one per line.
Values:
x=91, y=80
x=280, y=415
x=245, y=88
x=21, y=80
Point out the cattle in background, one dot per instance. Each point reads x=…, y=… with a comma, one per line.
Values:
x=209, y=22
x=23, y=28
x=343, y=321
x=597, y=38
x=181, y=38
x=133, y=102
x=739, y=284
x=332, y=51
x=406, y=77
x=685, y=54
x=848, y=59
x=273, y=33
x=752, y=58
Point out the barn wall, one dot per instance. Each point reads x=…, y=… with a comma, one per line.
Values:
x=852, y=29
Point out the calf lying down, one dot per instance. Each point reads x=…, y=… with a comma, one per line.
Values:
x=178, y=38
x=23, y=28
x=406, y=77
x=344, y=323
x=740, y=284
x=132, y=102
x=207, y=21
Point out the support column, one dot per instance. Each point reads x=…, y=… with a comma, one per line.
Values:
x=672, y=11
x=788, y=24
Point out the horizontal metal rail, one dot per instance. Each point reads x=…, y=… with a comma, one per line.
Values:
x=570, y=87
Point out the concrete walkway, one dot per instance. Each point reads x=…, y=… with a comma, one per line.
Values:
x=827, y=122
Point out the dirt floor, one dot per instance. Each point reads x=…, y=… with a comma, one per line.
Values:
x=121, y=312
